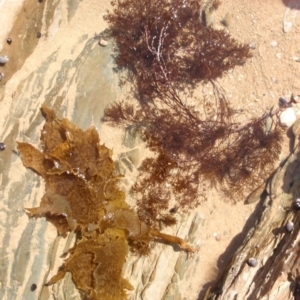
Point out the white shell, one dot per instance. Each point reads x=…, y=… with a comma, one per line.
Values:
x=287, y=26
x=4, y=59
x=274, y=44
x=103, y=43
x=288, y=117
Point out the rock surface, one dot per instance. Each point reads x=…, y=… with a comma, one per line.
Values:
x=273, y=243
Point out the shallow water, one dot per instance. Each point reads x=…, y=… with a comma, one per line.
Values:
x=66, y=69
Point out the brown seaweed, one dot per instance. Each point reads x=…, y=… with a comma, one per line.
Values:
x=82, y=195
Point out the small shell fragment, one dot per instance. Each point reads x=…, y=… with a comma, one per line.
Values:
x=287, y=26
x=289, y=226
x=1, y=76
x=252, y=262
x=296, y=58
x=274, y=43
x=4, y=59
x=103, y=43
x=252, y=45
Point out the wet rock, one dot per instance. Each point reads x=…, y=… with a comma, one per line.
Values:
x=131, y=158
x=255, y=195
x=23, y=34
x=181, y=266
x=207, y=13
x=172, y=292
x=296, y=128
x=288, y=117
x=289, y=18
x=227, y=20
x=132, y=137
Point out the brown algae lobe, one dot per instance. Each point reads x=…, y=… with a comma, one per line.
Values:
x=82, y=195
